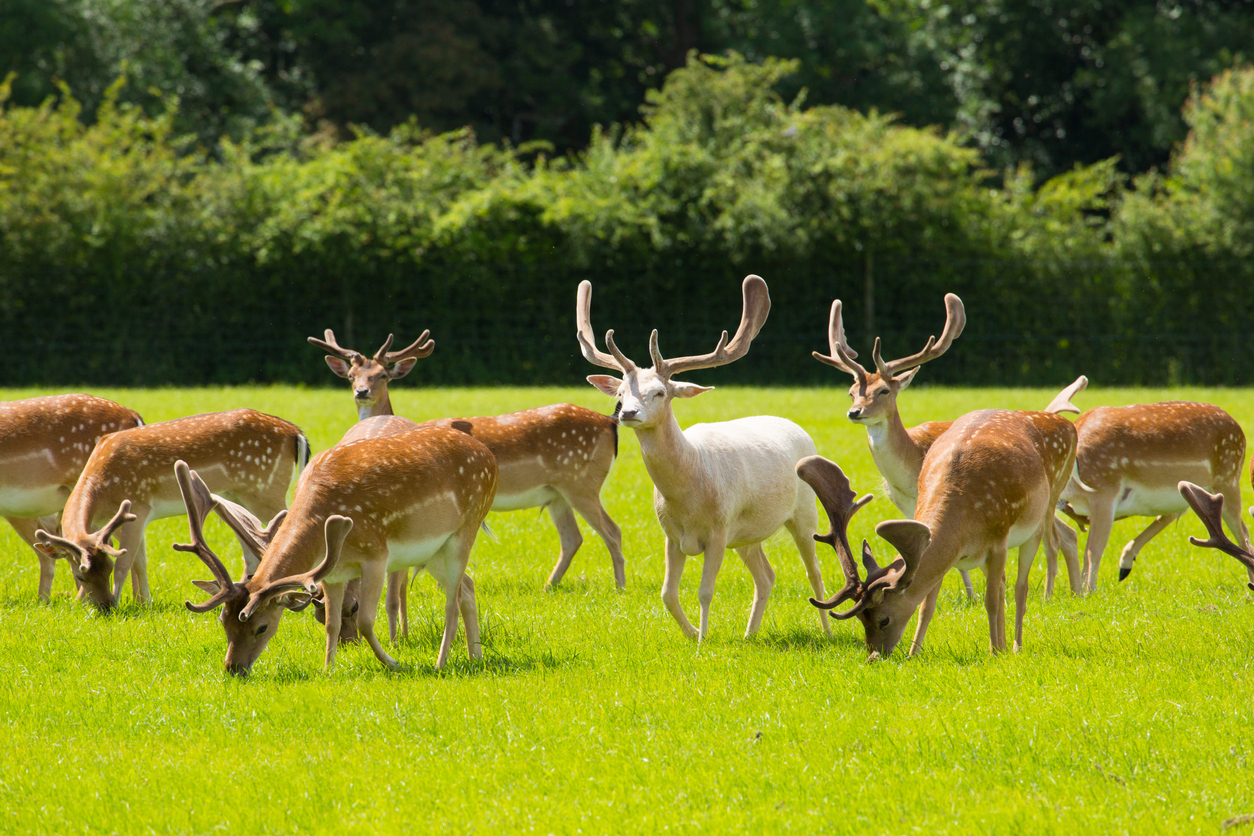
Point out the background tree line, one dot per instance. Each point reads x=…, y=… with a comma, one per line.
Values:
x=267, y=169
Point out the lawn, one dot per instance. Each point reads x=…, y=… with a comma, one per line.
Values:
x=1129, y=711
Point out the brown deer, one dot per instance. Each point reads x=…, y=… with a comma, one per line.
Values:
x=716, y=486
x=1209, y=508
x=898, y=452
x=44, y=444
x=986, y=486
x=1132, y=458
x=555, y=456
x=363, y=510
x=129, y=481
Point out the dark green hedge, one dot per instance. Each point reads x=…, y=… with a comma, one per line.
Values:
x=127, y=257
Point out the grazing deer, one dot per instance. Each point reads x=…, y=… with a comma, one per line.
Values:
x=364, y=509
x=555, y=456
x=986, y=486
x=716, y=486
x=1209, y=508
x=1131, y=459
x=242, y=453
x=898, y=452
x=44, y=444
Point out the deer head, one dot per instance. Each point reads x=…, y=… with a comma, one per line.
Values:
x=250, y=612
x=874, y=393
x=644, y=395
x=369, y=376
x=879, y=599
x=91, y=558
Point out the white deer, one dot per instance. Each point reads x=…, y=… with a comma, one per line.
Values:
x=717, y=486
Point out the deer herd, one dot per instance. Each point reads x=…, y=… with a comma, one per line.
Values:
x=81, y=477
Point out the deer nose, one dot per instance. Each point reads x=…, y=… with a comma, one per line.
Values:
x=362, y=394
x=628, y=414
x=856, y=412
x=236, y=669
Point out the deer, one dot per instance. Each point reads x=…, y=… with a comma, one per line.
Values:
x=362, y=511
x=243, y=453
x=44, y=444
x=898, y=452
x=1132, y=458
x=1209, y=508
x=986, y=486
x=717, y=486
x=556, y=457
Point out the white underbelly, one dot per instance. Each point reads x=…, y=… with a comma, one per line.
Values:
x=413, y=554
x=31, y=502
x=161, y=510
x=1141, y=501
x=533, y=498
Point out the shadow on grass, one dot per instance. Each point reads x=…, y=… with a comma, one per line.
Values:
x=807, y=639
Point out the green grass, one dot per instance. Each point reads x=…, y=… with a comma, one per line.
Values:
x=1127, y=712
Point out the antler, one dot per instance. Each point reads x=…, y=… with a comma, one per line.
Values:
x=61, y=546
x=1062, y=401
x=955, y=321
x=336, y=529
x=254, y=537
x=842, y=356
x=1209, y=508
x=330, y=346
x=199, y=502
x=419, y=348
x=615, y=360
x=756, y=305
x=121, y=518
x=837, y=498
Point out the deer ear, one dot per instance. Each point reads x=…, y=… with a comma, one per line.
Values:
x=679, y=389
x=404, y=367
x=212, y=587
x=337, y=365
x=608, y=384
x=905, y=378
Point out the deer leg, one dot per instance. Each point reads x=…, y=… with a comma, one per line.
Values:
x=139, y=574
x=397, y=603
x=966, y=583
x=567, y=534
x=995, y=596
x=470, y=618
x=1069, y=545
x=711, y=562
x=675, y=560
x=130, y=537
x=1133, y=548
x=333, y=599
x=591, y=509
x=763, y=581
x=925, y=618
x=351, y=605
x=1101, y=521
x=455, y=555
x=26, y=528
x=802, y=532
x=1027, y=553
x=373, y=575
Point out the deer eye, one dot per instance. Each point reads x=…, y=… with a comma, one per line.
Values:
x=657, y=395
x=883, y=391
x=884, y=621
x=262, y=629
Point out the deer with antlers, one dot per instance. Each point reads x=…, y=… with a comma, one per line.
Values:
x=557, y=457
x=986, y=486
x=716, y=486
x=242, y=453
x=363, y=510
x=1131, y=459
x=44, y=445
x=1209, y=508
x=899, y=452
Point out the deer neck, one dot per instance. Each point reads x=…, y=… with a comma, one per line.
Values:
x=669, y=457
x=296, y=549
x=897, y=457
x=383, y=406
x=81, y=506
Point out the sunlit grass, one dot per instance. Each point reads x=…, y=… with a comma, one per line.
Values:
x=1127, y=712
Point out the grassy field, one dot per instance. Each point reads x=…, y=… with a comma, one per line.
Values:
x=1129, y=711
